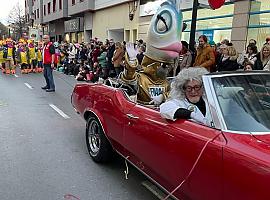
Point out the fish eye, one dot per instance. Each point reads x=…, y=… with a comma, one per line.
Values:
x=163, y=22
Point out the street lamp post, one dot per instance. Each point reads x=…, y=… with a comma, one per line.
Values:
x=192, y=41
x=9, y=32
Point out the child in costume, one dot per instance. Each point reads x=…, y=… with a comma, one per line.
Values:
x=39, y=57
x=57, y=55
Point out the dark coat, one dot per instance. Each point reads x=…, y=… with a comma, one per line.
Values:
x=229, y=64
x=259, y=64
x=110, y=52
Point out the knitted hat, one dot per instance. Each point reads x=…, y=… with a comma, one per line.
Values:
x=212, y=43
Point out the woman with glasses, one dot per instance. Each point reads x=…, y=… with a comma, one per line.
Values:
x=186, y=97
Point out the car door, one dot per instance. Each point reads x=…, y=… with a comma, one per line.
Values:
x=167, y=150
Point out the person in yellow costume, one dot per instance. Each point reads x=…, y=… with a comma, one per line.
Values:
x=163, y=46
x=33, y=56
x=10, y=51
x=39, y=57
x=23, y=57
x=2, y=60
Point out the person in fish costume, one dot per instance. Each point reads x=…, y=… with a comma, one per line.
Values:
x=163, y=46
x=10, y=52
x=33, y=56
x=39, y=57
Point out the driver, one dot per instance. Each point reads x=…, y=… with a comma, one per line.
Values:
x=186, y=99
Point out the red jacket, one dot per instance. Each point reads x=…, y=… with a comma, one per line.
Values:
x=48, y=51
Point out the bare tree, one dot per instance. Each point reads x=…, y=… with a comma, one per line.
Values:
x=17, y=22
x=3, y=30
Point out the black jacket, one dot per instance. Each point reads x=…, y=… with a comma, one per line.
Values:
x=110, y=52
x=227, y=65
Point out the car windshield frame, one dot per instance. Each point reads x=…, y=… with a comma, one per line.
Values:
x=215, y=107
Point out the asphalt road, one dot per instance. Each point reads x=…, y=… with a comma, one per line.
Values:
x=44, y=155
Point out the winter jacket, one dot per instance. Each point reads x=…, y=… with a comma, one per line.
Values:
x=117, y=57
x=140, y=57
x=251, y=59
x=185, y=63
x=111, y=50
x=72, y=52
x=205, y=57
x=102, y=59
x=230, y=64
x=259, y=64
x=95, y=55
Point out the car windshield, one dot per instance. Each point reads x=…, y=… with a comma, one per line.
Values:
x=244, y=101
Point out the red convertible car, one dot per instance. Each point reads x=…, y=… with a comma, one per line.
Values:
x=229, y=160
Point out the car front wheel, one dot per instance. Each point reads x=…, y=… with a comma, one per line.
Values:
x=98, y=146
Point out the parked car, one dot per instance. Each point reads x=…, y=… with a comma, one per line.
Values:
x=234, y=165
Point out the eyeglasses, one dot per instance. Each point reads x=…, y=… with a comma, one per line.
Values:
x=195, y=88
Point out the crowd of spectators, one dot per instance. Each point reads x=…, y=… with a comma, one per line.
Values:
x=99, y=60
x=95, y=60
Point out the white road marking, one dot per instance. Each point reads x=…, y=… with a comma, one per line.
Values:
x=60, y=112
x=29, y=86
x=16, y=75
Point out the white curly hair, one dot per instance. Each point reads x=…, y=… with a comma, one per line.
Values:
x=185, y=75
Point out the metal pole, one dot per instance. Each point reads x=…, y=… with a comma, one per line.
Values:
x=192, y=41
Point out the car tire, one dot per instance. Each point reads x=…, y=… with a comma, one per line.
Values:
x=99, y=148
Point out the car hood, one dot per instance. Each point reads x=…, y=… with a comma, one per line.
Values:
x=263, y=137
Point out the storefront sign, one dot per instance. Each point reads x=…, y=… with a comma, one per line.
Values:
x=74, y=25
x=34, y=34
x=209, y=34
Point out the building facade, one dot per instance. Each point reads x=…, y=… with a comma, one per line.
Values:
x=80, y=20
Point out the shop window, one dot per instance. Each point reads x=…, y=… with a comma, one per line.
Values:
x=127, y=35
x=54, y=5
x=49, y=8
x=260, y=5
x=135, y=35
x=44, y=10
x=259, y=34
x=259, y=19
x=259, y=24
x=60, y=4
x=215, y=24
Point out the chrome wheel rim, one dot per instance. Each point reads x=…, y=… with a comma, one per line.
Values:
x=94, y=138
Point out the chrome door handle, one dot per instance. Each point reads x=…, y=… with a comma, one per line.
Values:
x=130, y=116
